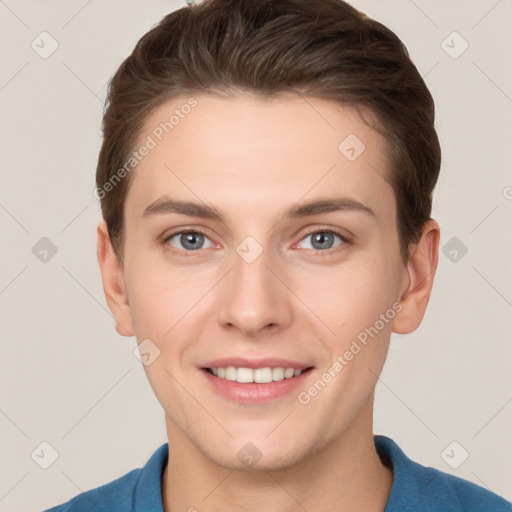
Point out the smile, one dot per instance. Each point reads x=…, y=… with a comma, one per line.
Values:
x=257, y=375
x=256, y=386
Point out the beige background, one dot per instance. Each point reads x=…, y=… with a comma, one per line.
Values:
x=68, y=379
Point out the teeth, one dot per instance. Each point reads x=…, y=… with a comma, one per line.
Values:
x=258, y=375
x=263, y=375
x=288, y=373
x=244, y=375
x=277, y=373
x=230, y=373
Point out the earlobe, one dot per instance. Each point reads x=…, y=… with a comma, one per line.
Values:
x=113, y=282
x=418, y=280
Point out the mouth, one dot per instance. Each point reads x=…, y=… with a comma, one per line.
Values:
x=264, y=375
x=255, y=386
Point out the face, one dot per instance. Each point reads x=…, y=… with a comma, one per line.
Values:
x=290, y=259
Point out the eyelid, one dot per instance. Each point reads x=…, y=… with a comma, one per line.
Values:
x=343, y=234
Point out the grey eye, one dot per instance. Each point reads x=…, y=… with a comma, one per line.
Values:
x=321, y=239
x=190, y=240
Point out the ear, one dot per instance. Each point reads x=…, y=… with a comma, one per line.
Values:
x=418, y=280
x=113, y=282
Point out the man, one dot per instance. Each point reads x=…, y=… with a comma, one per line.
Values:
x=266, y=181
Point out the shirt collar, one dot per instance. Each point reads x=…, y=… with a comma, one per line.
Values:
x=148, y=490
x=410, y=479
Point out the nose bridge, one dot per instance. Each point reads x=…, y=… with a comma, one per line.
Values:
x=253, y=297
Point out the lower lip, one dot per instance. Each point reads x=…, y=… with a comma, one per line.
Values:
x=252, y=392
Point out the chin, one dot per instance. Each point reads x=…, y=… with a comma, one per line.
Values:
x=256, y=456
x=273, y=462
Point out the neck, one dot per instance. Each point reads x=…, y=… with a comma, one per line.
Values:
x=347, y=475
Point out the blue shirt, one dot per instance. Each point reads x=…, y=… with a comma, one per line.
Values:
x=416, y=488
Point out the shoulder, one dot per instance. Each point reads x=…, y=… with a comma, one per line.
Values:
x=470, y=495
x=426, y=489
x=442, y=491
x=126, y=493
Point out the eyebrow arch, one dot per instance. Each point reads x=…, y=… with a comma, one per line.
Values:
x=165, y=205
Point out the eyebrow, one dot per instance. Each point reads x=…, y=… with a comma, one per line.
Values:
x=165, y=205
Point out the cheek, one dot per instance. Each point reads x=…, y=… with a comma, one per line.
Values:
x=153, y=302
x=351, y=295
x=167, y=301
x=360, y=312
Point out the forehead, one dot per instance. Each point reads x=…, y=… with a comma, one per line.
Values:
x=259, y=154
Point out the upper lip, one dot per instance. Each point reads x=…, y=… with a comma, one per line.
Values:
x=241, y=362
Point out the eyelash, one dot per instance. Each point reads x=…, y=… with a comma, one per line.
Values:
x=328, y=252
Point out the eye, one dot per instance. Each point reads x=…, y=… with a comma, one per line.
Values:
x=322, y=240
x=193, y=240
x=189, y=240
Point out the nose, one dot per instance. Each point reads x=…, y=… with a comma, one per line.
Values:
x=253, y=297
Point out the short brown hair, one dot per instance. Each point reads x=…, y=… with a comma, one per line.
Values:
x=322, y=48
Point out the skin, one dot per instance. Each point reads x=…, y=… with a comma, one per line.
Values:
x=252, y=158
